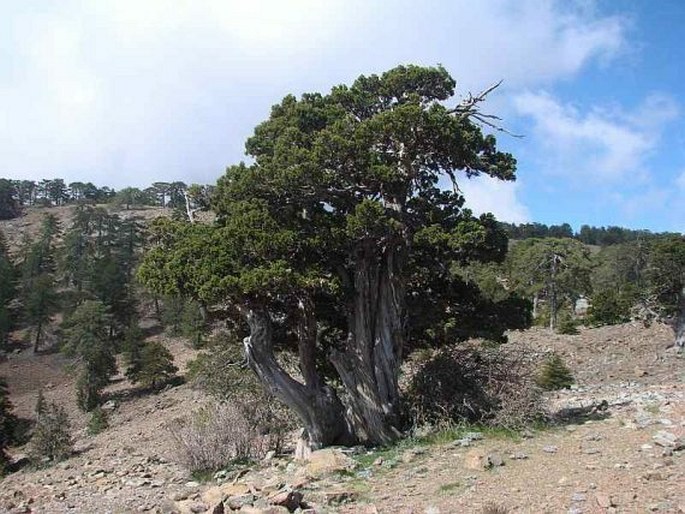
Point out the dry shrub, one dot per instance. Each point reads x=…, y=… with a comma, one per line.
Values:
x=223, y=433
x=473, y=383
x=493, y=508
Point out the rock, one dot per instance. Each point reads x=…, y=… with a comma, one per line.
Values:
x=218, y=508
x=668, y=440
x=109, y=406
x=494, y=460
x=237, y=502
x=197, y=508
x=592, y=451
x=339, y=497
x=578, y=497
x=289, y=499
x=168, y=507
x=327, y=461
x=265, y=510
x=518, y=456
x=475, y=460
x=269, y=456
x=550, y=449
x=604, y=500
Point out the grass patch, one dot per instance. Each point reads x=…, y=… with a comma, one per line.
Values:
x=394, y=451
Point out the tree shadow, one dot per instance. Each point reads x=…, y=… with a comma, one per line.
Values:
x=132, y=393
x=579, y=415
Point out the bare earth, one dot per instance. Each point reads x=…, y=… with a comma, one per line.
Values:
x=606, y=462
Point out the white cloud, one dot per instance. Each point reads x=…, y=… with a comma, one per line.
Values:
x=603, y=144
x=486, y=194
x=131, y=92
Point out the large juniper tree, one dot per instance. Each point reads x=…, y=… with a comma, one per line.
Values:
x=335, y=237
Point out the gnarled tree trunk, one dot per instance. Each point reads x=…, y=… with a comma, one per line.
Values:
x=316, y=404
x=369, y=365
x=679, y=326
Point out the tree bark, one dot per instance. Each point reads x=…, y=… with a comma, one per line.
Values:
x=369, y=365
x=316, y=404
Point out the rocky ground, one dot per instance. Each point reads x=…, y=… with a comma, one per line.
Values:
x=618, y=449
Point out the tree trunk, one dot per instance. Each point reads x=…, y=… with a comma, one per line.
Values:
x=36, y=342
x=317, y=405
x=679, y=326
x=369, y=366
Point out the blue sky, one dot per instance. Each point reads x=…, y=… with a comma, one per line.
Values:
x=129, y=92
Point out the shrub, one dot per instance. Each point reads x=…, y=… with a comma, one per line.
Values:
x=221, y=370
x=51, y=440
x=151, y=366
x=473, y=383
x=98, y=421
x=555, y=375
x=221, y=434
x=567, y=326
x=611, y=307
x=7, y=425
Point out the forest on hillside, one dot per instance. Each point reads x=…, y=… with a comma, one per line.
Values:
x=335, y=247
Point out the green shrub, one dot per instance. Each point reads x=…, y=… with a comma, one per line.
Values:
x=152, y=366
x=567, y=325
x=555, y=375
x=51, y=440
x=98, y=421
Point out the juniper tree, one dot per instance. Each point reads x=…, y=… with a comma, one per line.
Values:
x=666, y=282
x=335, y=234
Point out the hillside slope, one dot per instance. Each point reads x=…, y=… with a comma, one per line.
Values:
x=607, y=464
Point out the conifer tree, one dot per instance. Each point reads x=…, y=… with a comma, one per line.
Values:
x=86, y=337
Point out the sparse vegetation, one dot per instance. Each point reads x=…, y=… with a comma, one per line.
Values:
x=98, y=421
x=222, y=434
x=51, y=441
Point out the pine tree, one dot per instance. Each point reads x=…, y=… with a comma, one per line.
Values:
x=51, y=440
x=153, y=366
x=555, y=375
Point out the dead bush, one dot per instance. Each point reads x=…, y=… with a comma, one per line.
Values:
x=223, y=433
x=473, y=383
